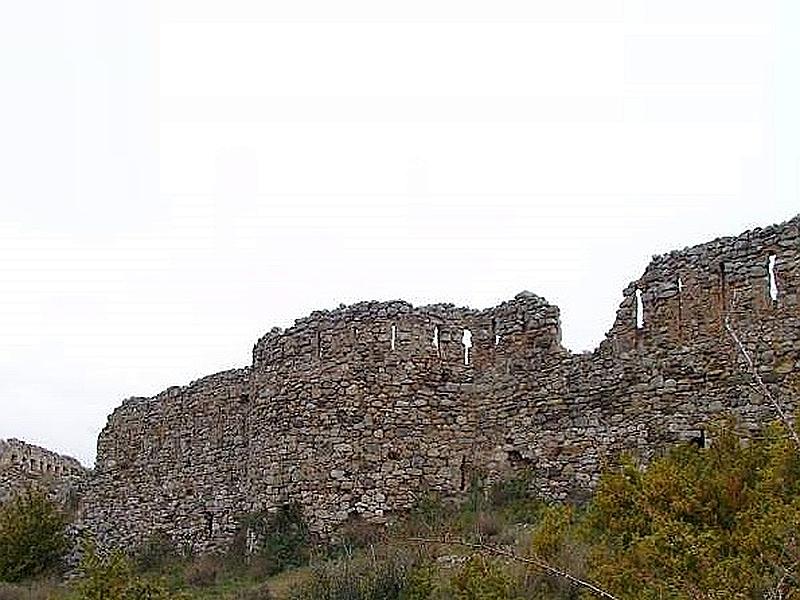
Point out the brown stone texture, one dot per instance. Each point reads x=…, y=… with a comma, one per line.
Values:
x=362, y=409
x=25, y=465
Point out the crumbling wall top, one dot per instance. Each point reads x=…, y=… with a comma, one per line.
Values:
x=376, y=331
x=686, y=295
x=15, y=453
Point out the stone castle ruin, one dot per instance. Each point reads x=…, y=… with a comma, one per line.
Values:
x=361, y=410
x=22, y=465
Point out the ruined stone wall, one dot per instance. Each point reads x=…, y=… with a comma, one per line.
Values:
x=359, y=410
x=362, y=409
x=23, y=465
x=174, y=463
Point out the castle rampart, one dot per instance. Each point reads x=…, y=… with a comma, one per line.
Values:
x=359, y=410
x=23, y=465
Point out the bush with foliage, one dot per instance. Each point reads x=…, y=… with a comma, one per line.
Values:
x=259, y=592
x=112, y=577
x=281, y=540
x=204, y=571
x=482, y=579
x=722, y=521
x=157, y=554
x=32, y=538
x=362, y=578
x=30, y=591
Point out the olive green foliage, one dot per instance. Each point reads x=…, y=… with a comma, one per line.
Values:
x=354, y=534
x=362, y=578
x=29, y=591
x=259, y=592
x=721, y=522
x=32, y=540
x=282, y=540
x=694, y=524
x=204, y=571
x=699, y=524
x=488, y=513
x=482, y=579
x=157, y=554
x=112, y=577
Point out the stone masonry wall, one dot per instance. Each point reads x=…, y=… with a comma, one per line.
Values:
x=174, y=463
x=359, y=410
x=23, y=465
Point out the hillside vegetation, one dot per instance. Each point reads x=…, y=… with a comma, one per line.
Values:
x=712, y=523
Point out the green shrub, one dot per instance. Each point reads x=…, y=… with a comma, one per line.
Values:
x=282, y=540
x=203, y=571
x=112, y=577
x=482, y=579
x=32, y=540
x=32, y=591
x=514, y=499
x=357, y=533
x=422, y=583
x=156, y=554
x=356, y=579
x=260, y=592
x=696, y=523
x=429, y=513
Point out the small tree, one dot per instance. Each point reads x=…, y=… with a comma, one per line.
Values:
x=32, y=540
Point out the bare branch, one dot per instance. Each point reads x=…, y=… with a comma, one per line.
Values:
x=497, y=551
x=762, y=387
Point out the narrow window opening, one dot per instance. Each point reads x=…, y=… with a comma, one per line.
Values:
x=319, y=345
x=463, y=471
x=466, y=340
x=773, y=282
x=723, y=287
x=436, y=339
x=496, y=340
x=639, y=310
x=394, y=336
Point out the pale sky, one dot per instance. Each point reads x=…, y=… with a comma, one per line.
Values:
x=178, y=177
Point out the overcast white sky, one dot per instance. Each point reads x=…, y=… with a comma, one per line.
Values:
x=178, y=177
